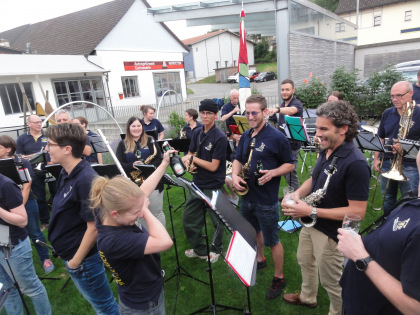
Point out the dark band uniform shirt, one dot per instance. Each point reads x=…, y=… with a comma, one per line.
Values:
x=139, y=276
x=71, y=211
x=226, y=109
x=154, y=126
x=93, y=157
x=273, y=150
x=416, y=94
x=188, y=131
x=349, y=182
x=210, y=145
x=395, y=246
x=390, y=126
x=26, y=143
x=281, y=121
x=10, y=198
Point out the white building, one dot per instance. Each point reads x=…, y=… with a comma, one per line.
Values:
x=135, y=60
x=212, y=51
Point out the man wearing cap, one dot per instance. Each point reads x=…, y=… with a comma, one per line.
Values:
x=208, y=153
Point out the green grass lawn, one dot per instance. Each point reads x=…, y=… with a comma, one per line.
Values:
x=193, y=295
x=210, y=79
x=272, y=66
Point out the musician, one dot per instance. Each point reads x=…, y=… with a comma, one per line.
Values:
x=209, y=143
x=260, y=206
x=7, y=150
x=231, y=108
x=416, y=89
x=291, y=106
x=387, y=284
x=190, y=118
x=150, y=123
x=72, y=230
x=93, y=158
x=13, y=215
x=347, y=192
x=401, y=94
x=132, y=253
x=27, y=145
x=139, y=147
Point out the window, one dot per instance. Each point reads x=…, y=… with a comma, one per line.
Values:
x=130, y=86
x=196, y=49
x=217, y=65
x=12, y=99
x=168, y=81
x=74, y=89
x=234, y=63
x=340, y=27
x=226, y=63
x=377, y=20
x=407, y=17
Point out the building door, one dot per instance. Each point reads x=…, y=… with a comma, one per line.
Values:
x=167, y=81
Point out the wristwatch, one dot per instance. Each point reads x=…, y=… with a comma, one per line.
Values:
x=362, y=264
x=313, y=214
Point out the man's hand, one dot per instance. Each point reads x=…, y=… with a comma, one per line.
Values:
x=377, y=165
x=238, y=183
x=272, y=111
x=396, y=147
x=351, y=245
x=298, y=210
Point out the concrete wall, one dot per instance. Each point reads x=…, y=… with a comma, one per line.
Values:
x=319, y=56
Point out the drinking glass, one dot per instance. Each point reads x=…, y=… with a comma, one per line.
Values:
x=289, y=195
x=351, y=223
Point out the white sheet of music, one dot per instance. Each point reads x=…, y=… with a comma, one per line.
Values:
x=241, y=257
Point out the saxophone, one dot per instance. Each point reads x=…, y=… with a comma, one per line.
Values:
x=314, y=198
x=136, y=174
x=182, y=134
x=244, y=172
x=191, y=166
x=406, y=122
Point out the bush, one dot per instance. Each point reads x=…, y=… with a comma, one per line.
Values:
x=177, y=122
x=348, y=84
x=312, y=93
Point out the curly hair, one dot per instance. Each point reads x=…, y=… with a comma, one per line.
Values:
x=341, y=114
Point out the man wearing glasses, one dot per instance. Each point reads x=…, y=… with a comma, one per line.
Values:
x=260, y=206
x=28, y=144
x=208, y=153
x=401, y=94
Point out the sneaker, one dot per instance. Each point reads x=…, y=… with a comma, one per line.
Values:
x=277, y=285
x=214, y=257
x=261, y=264
x=48, y=265
x=43, y=227
x=235, y=201
x=191, y=254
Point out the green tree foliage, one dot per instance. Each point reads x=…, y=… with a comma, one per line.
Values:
x=312, y=93
x=330, y=5
x=177, y=122
x=262, y=51
x=347, y=83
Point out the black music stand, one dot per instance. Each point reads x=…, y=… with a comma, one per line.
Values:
x=152, y=133
x=109, y=170
x=8, y=168
x=181, y=145
x=411, y=148
x=54, y=170
x=369, y=141
x=98, y=146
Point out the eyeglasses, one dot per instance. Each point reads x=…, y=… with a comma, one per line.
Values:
x=398, y=96
x=247, y=114
x=54, y=145
x=207, y=113
x=36, y=122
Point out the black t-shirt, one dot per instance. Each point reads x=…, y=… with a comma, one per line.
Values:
x=349, y=182
x=10, y=198
x=139, y=276
x=395, y=246
x=210, y=145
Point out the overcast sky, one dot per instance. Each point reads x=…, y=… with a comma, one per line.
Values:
x=19, y=12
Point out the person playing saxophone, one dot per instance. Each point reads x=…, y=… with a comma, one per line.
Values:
x=347, y=192
x=260, y=206
x=401, y=94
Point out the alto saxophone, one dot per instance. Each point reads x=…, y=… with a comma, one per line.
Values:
x=314, y=198
x=244, y=172
x=182, y=134
x=191, y=166
x=136, y=175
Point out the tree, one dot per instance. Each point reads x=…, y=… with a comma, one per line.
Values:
x=330, y=5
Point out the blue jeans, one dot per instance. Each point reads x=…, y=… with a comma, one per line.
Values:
x=153, y=308
x=38, y=188
x=410, y=172
x=30, y=285
x=34, y=230
x=263, y=218
x=91, y=281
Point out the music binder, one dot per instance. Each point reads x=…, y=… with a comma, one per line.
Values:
x=297, y=129
x=241, y=122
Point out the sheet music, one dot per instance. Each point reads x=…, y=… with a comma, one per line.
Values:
x=241, y=257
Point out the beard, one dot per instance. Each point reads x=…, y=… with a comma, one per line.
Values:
x=288, y=98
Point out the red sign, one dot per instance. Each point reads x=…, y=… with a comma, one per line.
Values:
x=152, y=65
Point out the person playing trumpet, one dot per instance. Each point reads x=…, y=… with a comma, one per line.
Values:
x=207, y=152
x=260, y=206
x=401, y=94
x=348, y=192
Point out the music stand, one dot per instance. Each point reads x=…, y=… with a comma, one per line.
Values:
x=109, y=170
x=241, y=122
x=369, y=141
x=97, y=144
x=181, y=145
x=54, y=170
x=296, y=128
x=8, y=169
x=411, y=148
x=152, y=133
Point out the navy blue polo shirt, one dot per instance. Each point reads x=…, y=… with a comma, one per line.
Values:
x=293, y=103
x=349, y=182
x=416, y=94
x=71, y=210
x=226, y=109
x=188, y=131
x=210, y=145
x=390, y=126
x=138, y=276
x=394, y=245
x=10, y=198
x=155, y=126
x=273, y=150
x=26, y=144
x=93, y=157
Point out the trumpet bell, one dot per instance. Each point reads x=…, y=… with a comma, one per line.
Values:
x=395, y=174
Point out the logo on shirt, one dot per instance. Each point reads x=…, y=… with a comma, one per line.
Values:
x=261, y=148
x=44, y=139
x=65, y=194
x=398, y=225
x=113, y=271
x=209, y=147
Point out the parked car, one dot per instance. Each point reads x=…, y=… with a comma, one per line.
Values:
x=234, y=78
x=253, y=76
x=265, y=76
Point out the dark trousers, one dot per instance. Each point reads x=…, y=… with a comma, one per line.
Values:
x=38, y=188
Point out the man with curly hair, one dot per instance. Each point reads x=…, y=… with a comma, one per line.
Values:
x=347, y=192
